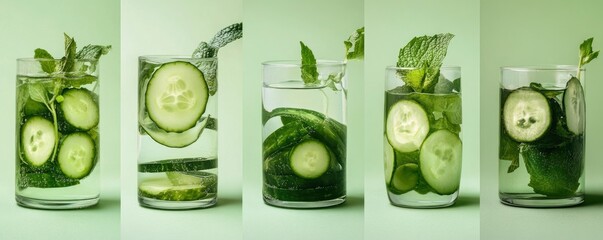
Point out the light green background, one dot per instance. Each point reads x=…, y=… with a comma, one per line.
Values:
x=25, y=26
x=538, y=32
x=176, y=28
x=272, y=32
x=390, y=25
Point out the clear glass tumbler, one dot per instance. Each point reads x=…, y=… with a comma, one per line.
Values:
x=542, y=128
x=422, y=139
x=57, y=134
x=177, y=119
x=304, y=134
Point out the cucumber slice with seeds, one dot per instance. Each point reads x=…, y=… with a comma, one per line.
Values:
x=79, y=109
x=574, y=105
x=176, y=96
x=440, y=161
x=310, y=159
x=76, y=155
x=526, y=115
x=164, y=189
x=37, y=140
x=407, y=125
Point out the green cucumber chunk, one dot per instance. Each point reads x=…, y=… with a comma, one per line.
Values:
x=389, y=161
x=407, y=125
x=405, y=178
x=37, y=140
x=440, y=161
x=79, y=109
x=278, y=163
x=164, y=189
x=176, y=96
x=178, y=165
x=286, y=136
x=313, y=194
x=45, y=180
x=310, y=159
x=574, y=105
x=77, y=155
x=526, y=115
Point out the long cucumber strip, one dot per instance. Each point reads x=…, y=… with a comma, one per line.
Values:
x=178, y=165
x=315, y=194
x=286, y=136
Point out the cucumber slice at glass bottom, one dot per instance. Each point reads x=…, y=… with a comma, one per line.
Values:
x=440, y=161
x=77, y=155
x=405, y=178
x=37, y=140
x=526, y=115
x=314, y=194
x=178, y=165
x=406, y=125
x=163, y=189
x=389, y=160
x=574, y=106
x=310, y=159
x=45, y=180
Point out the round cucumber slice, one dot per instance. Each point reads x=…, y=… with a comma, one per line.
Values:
x=176, y=96
x=526, y=115
x=407, y=126
x=575, y=107
x=79, y=109
x=164, y=189
x=440, y=161
x=77, y=155
x=389, y=160
x=310, y=159
x=405, y=178
x=37, y=140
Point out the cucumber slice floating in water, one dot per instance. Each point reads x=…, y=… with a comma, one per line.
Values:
x=405, y=177
x=37, y=140
x=574, y=105
x=440, y=161
x=79, y=109
x=76, y=155
x=389, y=160
x=164, y=189
x=174, y=139
x=176, y=96
x=178, y=165
x=526, y=115
x=407, y=125
x=310, y=159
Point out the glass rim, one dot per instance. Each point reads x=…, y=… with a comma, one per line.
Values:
x=297, y=63
x=445, y=67
x=175, y=57
x=532, y=68
x=53, y=60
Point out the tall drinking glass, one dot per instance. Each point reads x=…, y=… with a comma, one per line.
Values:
x=57, y=134
x=177, y=120
x=422, y=139
x=304, y=134
x=542, y=129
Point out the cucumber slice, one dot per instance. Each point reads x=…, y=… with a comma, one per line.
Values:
x=405, y=178
x=37, y=140
x=526, y=115
x=312, y=194
x=45, y=180
x=310, y=159
x=178, y=165
x=389, y=160
x=278, y=163
x=176, y=96
x=574, y=105
x=440, y=161
x=77, y=155
x=33, y=108
x=295, y=182
x=407, y=125
x=176, y=139
x=164, y=189
x=79, y=109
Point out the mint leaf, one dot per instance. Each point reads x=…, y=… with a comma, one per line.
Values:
x=227, y=35
x=508, y=150
x=448, y=105
x=309, y=72
x=92, y=52
x=69, y=59
x=586, y=54
x=37, y=93
x=47, y=66
x=426, y=53
x=355, y=43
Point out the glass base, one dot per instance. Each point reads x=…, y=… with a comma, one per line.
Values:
x=533, y=200
x=55, y=204
x=176, y=205
x=416, y=200
x=301, y=205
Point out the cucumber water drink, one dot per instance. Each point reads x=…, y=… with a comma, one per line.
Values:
x=422, y=140
x=542, y=133
x=57, y=134
x=304, y=136
x=177, y=119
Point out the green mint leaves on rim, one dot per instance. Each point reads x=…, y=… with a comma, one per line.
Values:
x=210, y=50
x=309, y=72
x=586, y=54
x=354, y=46
x=426, y=53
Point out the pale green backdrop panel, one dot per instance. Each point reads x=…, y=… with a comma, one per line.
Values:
x=176, y=28
x=272, y=32
x=25, y=26
x=389, y=26
x=537, y=32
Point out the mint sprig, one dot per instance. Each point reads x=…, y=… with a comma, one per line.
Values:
x=586, y=54
x=426, y=53
x=309, y=72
